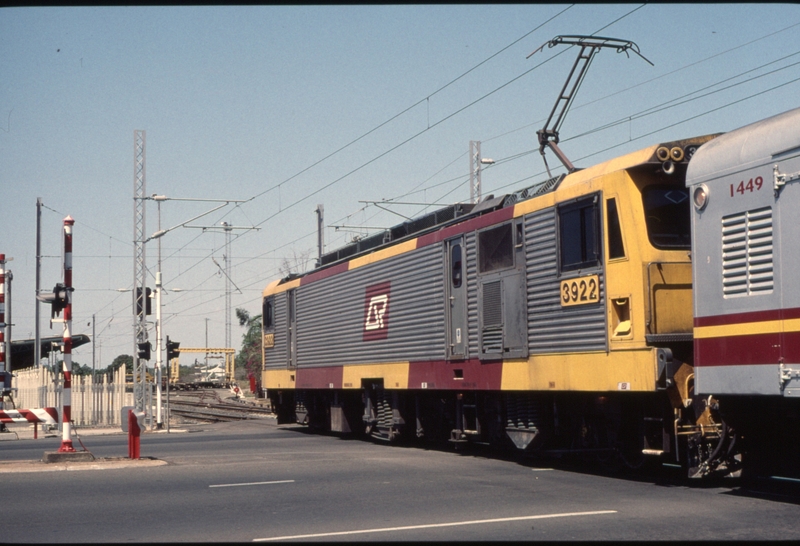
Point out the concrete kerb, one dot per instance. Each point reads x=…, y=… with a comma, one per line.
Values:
x=26, y=432
x=72, y=461
x=108, y=463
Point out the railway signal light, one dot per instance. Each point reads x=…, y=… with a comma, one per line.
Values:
x=57, y=300
x=147, y=301
x=144, y=350
x=172, y=349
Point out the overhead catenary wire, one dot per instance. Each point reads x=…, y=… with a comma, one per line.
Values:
x=277, y=186
x=406, y=110
x=439, y=184
x=750, y=42
x=651, y=110
x=429, y=127
x=517, y=182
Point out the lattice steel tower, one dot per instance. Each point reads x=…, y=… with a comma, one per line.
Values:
x=139, y=268
x=474, y=171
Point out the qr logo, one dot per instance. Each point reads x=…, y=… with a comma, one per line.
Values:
x=376, y=311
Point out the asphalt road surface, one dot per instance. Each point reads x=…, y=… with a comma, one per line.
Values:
x=252, y=480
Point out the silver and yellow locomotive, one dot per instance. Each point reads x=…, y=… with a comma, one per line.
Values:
x=580, y=315
x=556, y=318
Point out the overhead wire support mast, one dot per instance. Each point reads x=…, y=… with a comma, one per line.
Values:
x=590, y=45
x=140, y=199
x=160, y=198
x=227, y=228
x=139, y=267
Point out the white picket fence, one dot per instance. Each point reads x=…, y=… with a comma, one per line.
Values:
x=94, y=403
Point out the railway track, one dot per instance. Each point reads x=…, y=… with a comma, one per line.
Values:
x=209, y=406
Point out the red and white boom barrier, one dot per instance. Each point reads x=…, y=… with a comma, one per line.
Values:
x=48, y=416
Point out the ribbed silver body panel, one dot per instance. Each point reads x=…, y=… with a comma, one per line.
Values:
x=472, y=293
x=275, y=357
x=331, y=313
x=551, y=327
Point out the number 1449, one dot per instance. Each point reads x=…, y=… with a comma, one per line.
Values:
x=754, y=184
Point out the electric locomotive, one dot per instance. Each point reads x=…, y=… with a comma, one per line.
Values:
x=557, y=318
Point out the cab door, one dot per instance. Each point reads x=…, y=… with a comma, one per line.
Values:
x=456, y=294
x=291, y=329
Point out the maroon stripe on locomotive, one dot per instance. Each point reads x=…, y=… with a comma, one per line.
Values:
x=328, y=377
x=465, y=374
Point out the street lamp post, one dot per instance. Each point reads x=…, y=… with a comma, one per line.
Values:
x=159, y=423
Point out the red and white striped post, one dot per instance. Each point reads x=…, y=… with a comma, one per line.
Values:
x=2, y=323
x=66, y=440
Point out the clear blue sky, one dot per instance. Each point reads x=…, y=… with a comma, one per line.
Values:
x=244, y=102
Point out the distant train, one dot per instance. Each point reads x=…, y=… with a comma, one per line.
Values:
x=559, y=318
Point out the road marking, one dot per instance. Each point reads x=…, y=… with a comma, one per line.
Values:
x=435, y=525
x=784, y=479
x=251, y=483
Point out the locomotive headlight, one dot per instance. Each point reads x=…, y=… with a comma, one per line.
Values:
x=700, y=196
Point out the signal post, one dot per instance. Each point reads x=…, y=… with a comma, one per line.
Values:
x=62, y=300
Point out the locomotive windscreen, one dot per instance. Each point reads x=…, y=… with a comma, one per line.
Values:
x=668, y=216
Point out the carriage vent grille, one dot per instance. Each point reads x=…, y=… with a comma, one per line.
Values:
x=747, y=267
x=492, y=332
x=492, y=340
x=492, y=305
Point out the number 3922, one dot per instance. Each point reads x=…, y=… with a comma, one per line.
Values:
x=580, y=291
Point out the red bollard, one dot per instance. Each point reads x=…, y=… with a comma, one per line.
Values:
x=134, y=432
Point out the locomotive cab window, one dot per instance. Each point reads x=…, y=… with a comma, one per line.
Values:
x=496, y=248
x=457, y=269
x=579, y=234
x=616, y=249
x=268, y=322
x=267, y=314
x=667, y=216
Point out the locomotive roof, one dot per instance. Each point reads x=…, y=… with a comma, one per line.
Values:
x=454, y=214
x=756, y=143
